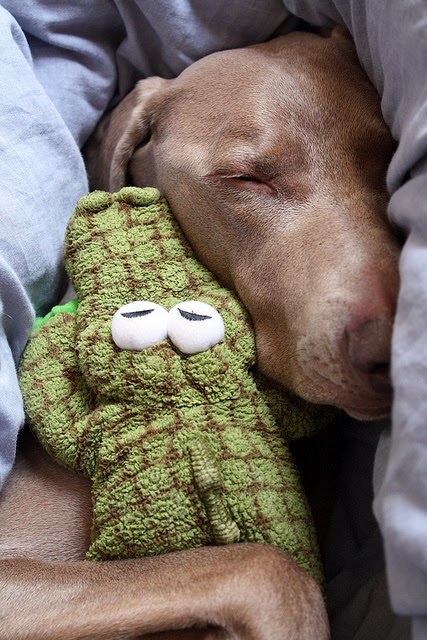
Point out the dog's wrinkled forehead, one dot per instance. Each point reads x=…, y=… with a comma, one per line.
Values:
x=297, y=102
x=300, y=125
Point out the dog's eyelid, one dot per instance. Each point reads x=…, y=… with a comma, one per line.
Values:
x=246, y=177
x=245, y=166
x=250, y=171
x=256, y=184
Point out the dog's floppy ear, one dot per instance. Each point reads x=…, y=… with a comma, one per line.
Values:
x=136, y=130
x=110, y=148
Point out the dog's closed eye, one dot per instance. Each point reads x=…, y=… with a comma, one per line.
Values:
x=250, y=182
x=242, y=181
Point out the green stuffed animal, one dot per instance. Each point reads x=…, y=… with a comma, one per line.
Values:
x=148, y=388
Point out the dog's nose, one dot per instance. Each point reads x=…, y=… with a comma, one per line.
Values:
x=369, y=351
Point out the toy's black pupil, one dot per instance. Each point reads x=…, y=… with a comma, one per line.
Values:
x=137, y=314
x=188, y=315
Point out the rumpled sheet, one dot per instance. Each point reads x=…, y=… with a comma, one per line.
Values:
x=62, y=63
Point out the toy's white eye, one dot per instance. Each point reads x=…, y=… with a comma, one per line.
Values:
x=194, y=326
x=138, y=325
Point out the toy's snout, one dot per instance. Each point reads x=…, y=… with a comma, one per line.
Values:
x=192, y=326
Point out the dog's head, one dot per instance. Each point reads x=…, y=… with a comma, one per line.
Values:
x=273, y=159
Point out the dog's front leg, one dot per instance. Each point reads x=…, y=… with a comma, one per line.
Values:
x=249, y=592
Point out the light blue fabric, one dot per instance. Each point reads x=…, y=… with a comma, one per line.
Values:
x=59, y=76
x=41, y=176
x=84, y=52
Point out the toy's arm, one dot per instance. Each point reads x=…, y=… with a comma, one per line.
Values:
x=57, y=401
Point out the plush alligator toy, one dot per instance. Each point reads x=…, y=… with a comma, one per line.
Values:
x=148, y=387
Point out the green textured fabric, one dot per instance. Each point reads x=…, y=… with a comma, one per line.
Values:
x=183, y=451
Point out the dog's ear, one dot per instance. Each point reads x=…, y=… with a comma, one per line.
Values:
x=137, y=128
x=110, y=148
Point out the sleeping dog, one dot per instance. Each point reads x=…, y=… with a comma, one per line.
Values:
x=273, y=158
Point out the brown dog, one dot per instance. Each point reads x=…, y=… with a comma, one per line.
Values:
x=273, y=159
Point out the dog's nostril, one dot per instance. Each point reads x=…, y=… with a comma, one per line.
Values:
x=380, y=370
x=369, y=352
x=379, y=377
